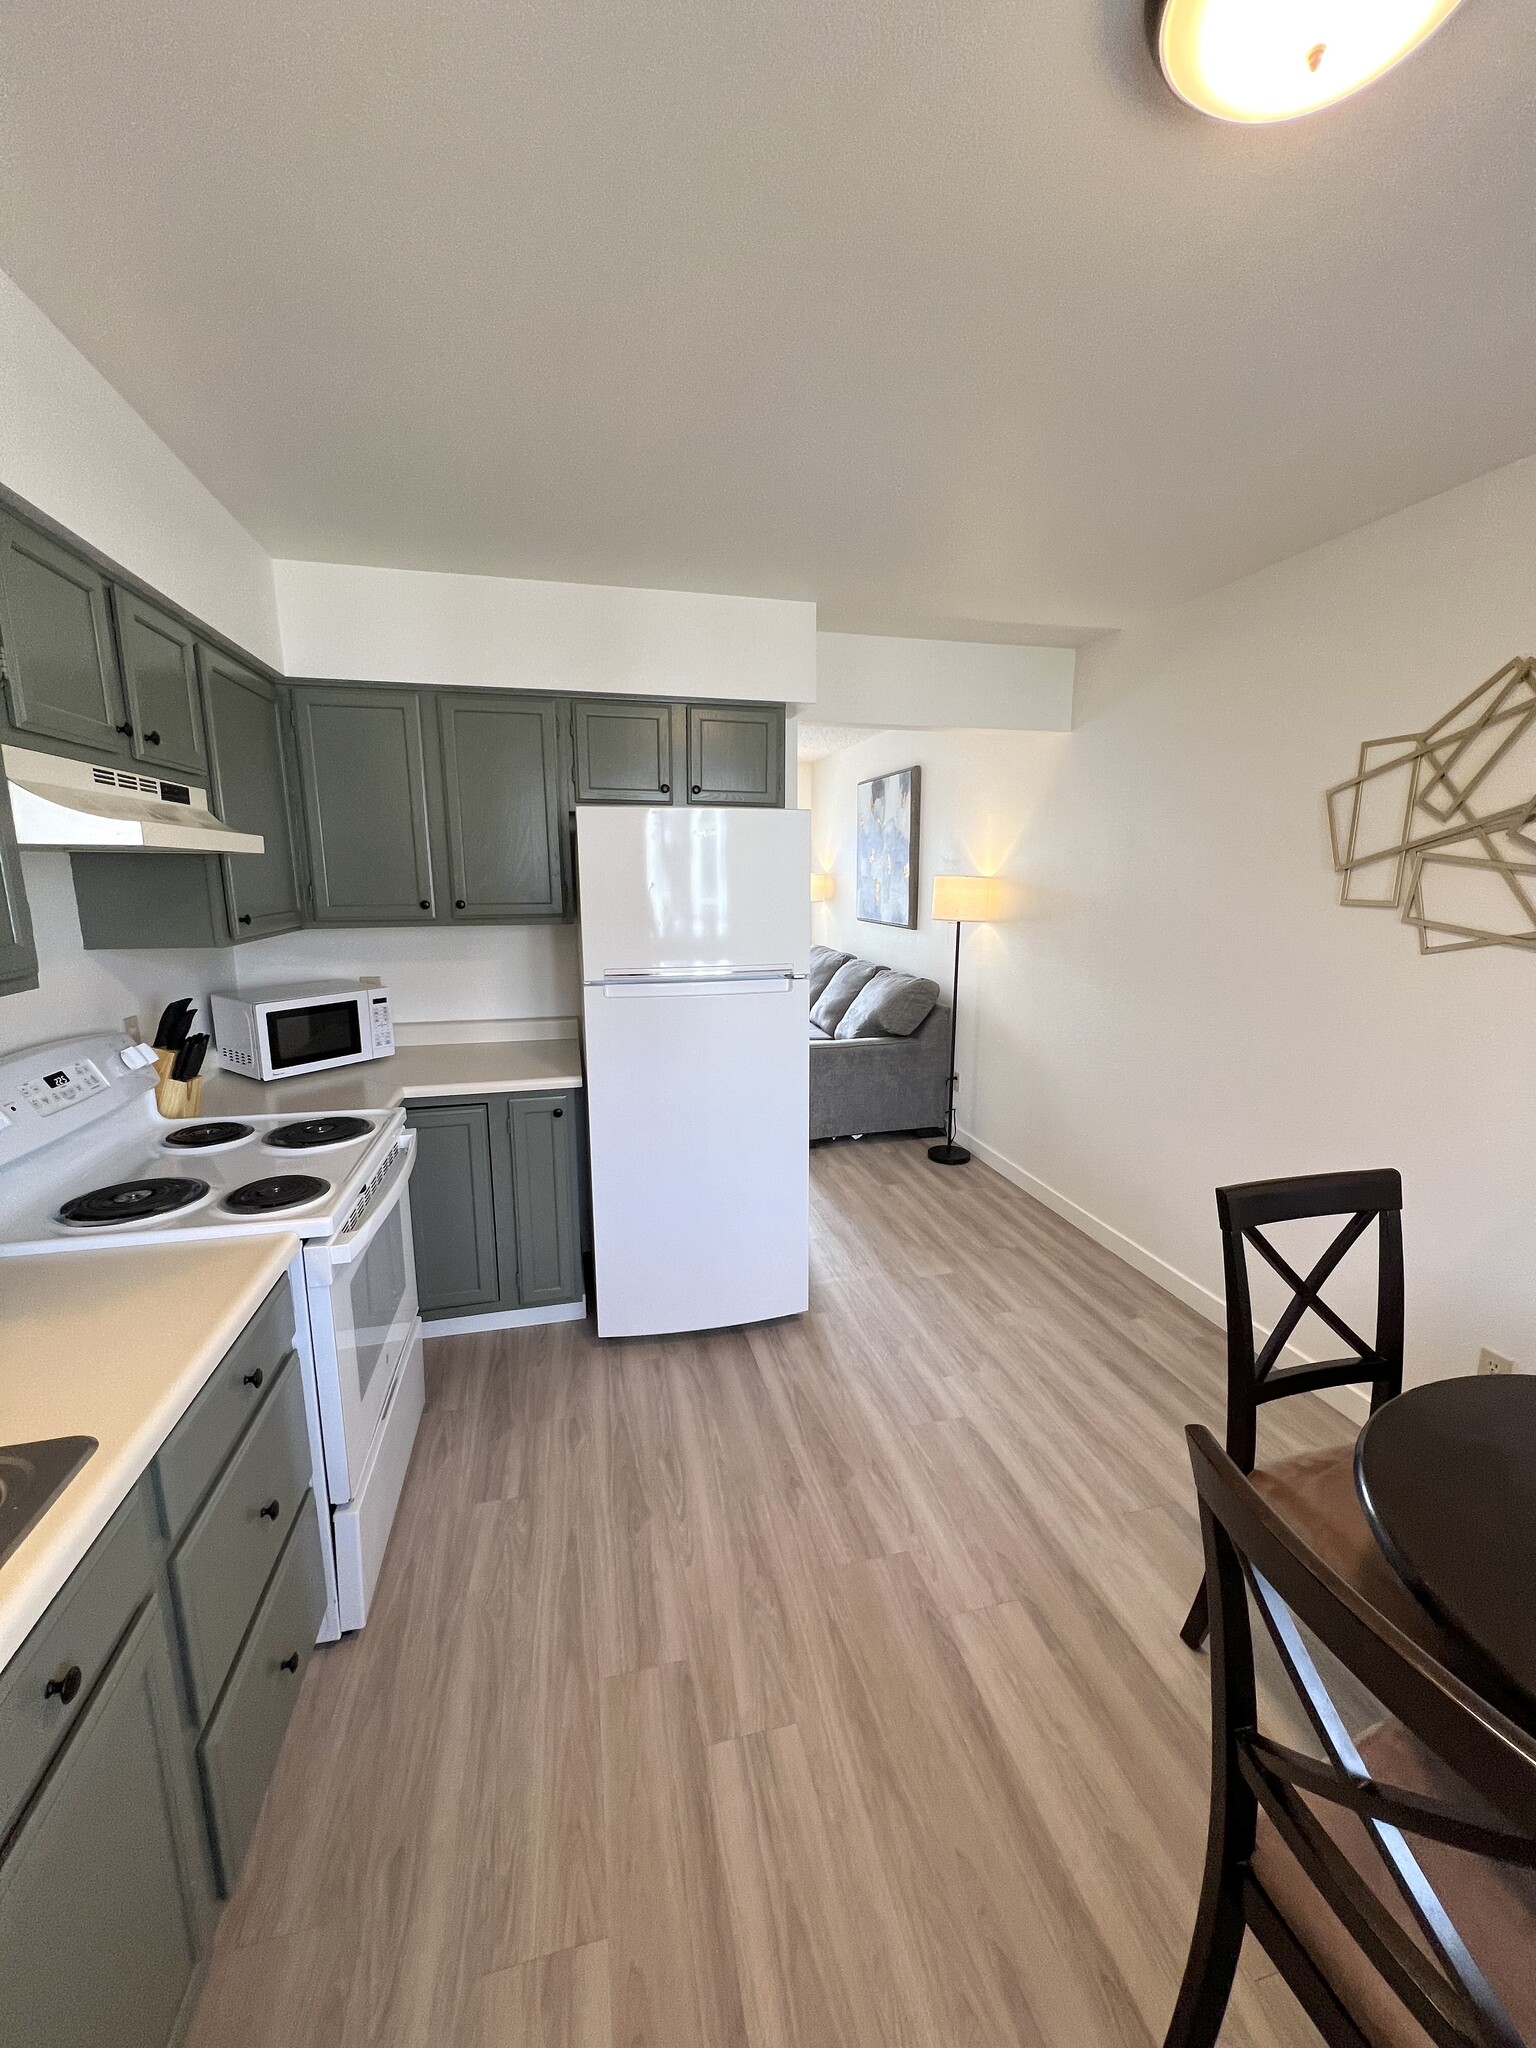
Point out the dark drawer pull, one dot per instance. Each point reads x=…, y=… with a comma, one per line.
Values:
x=290, y=1663
x=696, y=788
x=426, y=903
x=253, y=1378
x=245, y=917
x=271, y=1511
x=152, y=739
x=666, y=789
x=459, y=903
x=64, y=1688
x=557, y=1112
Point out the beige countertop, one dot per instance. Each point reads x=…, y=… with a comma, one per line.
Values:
x=412, y=1074
x=112, y=1344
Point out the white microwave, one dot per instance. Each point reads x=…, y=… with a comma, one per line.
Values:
x=273, y=1034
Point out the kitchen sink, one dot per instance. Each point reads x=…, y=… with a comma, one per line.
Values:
x=32, y=1476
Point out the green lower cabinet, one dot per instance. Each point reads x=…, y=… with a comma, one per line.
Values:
x=453, y=1210
x=99, y=1907
x=495, y=1203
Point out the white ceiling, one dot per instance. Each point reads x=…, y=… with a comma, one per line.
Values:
x=816, y=742
x=941, y=314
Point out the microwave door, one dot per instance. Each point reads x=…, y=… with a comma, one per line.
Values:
x=362, y=1311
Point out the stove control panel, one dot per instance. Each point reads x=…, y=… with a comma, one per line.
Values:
x=63, y=1087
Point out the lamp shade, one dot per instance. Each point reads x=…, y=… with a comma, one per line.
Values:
x=823, y=888
x=1269, y=60
x=967, y=899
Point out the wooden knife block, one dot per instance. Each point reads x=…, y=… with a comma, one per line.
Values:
x=176, y=1099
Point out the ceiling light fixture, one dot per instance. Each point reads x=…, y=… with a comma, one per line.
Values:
x=1270, y=60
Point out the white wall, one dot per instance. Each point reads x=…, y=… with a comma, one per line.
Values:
x=419, y=626
x=527, y=972
x=878, y=680
x=76, y=449
x=79, y=991
x=1181, y=1002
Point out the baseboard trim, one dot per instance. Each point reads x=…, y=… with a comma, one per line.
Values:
x=1350, y=1401
x=506, y=1319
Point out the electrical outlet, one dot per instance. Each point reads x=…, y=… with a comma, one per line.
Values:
x=131, y=1026
x=1494, y=1362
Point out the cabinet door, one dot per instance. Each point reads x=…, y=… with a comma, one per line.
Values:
x=363, y=767
x=501, y=787
x=545, y=1180
x=249, y=790
x=160, y=678
x=623, y=752
x=18, y=951
x=98, y=1898
x=453, y=1210
x=56, y=642
x=735, y=754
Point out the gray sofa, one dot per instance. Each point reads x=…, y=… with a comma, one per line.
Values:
x=866, y=1084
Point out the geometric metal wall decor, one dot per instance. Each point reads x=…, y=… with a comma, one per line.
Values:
x=1441, y=825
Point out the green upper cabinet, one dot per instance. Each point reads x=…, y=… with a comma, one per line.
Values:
x=18, y=952
x=362, y=762
x=160, y=676
x=248, y=788
x=61, y=679
x=501, y=802
x=735, y=754
x=623, y=751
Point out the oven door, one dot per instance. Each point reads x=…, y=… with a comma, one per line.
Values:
x=362, y=1313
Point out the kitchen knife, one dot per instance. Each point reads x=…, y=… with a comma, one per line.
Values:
x=189, y=1060
x=164, y=1027
x=181, y=1023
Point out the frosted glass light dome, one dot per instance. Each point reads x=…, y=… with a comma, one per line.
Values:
x=1270, y=60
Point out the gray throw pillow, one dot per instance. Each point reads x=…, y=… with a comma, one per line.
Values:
x=840, y=992
x=825, y=961
x=890, y=1006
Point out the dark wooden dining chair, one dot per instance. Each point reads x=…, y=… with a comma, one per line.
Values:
x=1315, y=1489
x=1391, y=1876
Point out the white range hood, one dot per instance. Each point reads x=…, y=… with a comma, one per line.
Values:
x=69, y=806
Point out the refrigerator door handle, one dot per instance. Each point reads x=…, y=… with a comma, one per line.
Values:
x=631, y=987
x=671, y=976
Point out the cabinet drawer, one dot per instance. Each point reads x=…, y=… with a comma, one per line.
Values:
x=199, y=1444
x=239, y=1752
x=77, y=1634
x=227, y=1555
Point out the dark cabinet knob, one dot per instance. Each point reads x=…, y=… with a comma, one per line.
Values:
x=290, y=1663
x=271, y=1511
x=245, y=917
x=557, y=1112
x=152, y=739
x=125, y=730
x=459, y=903
x=253, y=1378
x=426, y=903
x=65, y=1687
x=666, y=789
x=696, y=787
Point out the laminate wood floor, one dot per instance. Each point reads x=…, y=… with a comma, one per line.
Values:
x=811, y=1686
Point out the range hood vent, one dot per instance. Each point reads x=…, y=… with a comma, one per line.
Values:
x=71, y=807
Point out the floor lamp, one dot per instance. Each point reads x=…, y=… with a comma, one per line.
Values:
x=962, y=899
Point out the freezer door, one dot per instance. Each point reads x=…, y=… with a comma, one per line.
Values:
x=692, y=887
x=698, y=1104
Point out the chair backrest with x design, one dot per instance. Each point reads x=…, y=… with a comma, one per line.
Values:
x=1361, y=1824
x=1254, y=1374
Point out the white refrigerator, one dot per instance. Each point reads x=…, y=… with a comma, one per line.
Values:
x=695, y=938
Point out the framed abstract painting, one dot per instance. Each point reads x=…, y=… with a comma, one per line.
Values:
x=887, y=848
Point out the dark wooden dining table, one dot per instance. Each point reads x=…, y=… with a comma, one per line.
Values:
x=1446, y=1474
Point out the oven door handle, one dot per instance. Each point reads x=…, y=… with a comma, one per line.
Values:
x=341, y=1251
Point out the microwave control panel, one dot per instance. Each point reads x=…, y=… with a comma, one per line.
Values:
x=383, y=1030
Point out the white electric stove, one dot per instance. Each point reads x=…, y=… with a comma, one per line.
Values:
x=86, y=1160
